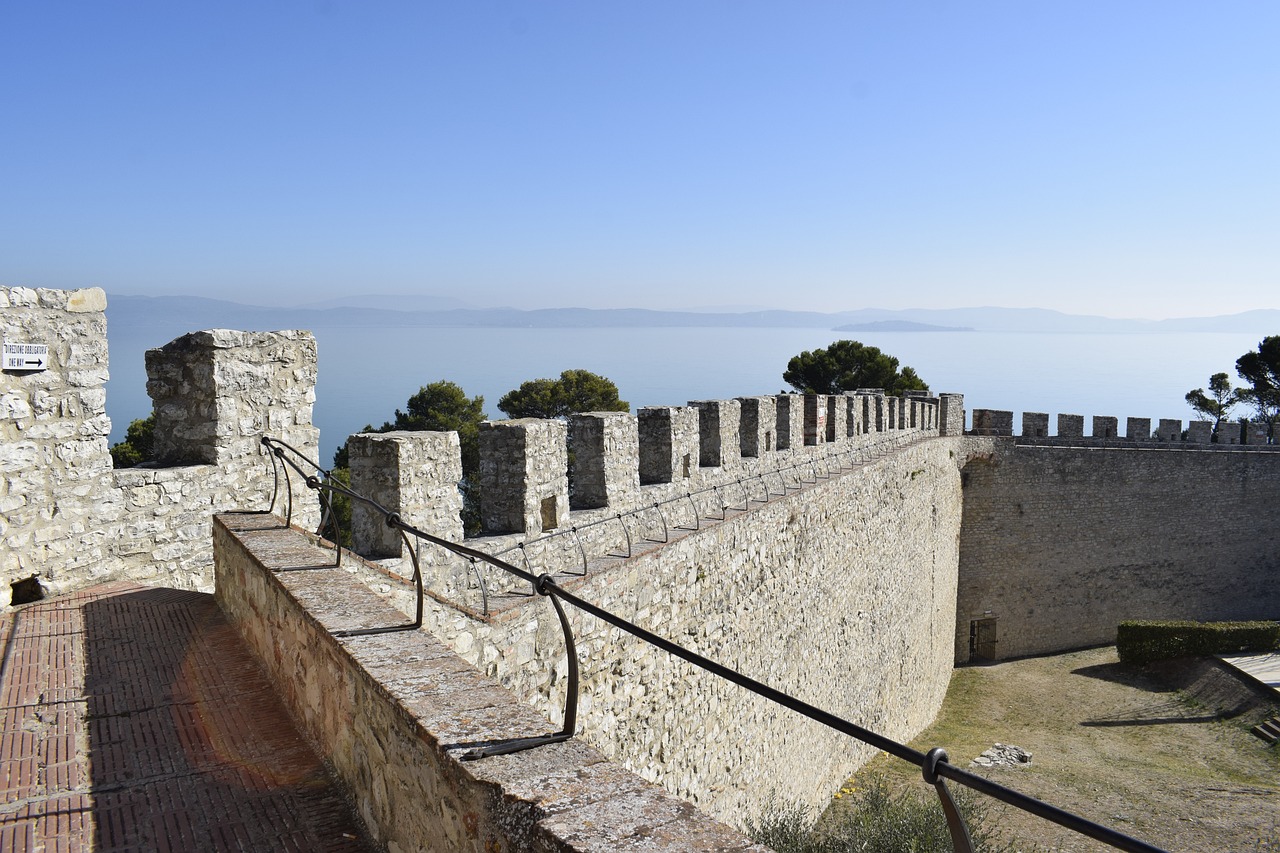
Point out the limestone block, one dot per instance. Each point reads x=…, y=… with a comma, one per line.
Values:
x=87, y=300
x=668, y=438
x=606, y=459
x=719, y=444
x=790, y=424
x=524, y=482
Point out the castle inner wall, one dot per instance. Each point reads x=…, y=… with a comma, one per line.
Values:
x=1060, y=544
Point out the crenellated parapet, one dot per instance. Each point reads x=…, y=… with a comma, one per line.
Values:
x=535, y=473
x=1104, y=430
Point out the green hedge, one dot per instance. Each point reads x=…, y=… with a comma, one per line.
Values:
x=1144, y=641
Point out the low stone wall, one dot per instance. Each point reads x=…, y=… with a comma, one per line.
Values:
x=1060, y=544
x=392, y=713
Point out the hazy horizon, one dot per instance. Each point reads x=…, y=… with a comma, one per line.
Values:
x=390, y=301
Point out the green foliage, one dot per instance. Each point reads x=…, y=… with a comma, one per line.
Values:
x=1218, y=403
x=787, y=828
x=877, y=820
x=1144, y=641
x=575, y=391
x=848, y=366
x=138, y=443
x=1261, y=369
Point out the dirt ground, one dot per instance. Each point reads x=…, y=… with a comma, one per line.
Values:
x=1162, y=754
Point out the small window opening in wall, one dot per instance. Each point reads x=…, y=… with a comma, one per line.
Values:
x=684, y=466
x=768, y=441
x=982, y=639
x=26, y=591
x=549, y=513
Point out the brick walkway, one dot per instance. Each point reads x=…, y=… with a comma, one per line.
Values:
x=133, y=718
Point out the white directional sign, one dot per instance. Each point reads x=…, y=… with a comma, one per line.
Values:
x=26, y=356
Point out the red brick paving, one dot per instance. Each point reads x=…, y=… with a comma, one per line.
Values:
x=132, y=718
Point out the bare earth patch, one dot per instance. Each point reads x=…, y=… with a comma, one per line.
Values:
x=1161, y=753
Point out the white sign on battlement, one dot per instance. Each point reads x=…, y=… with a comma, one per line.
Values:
x=26, y=356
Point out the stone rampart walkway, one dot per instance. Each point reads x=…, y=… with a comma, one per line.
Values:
x=133, y=718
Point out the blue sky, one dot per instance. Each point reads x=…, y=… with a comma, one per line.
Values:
x=1093, y=157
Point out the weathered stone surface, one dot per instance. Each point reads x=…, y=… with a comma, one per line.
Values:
x=394, y=713
x=606, y=459
x=718, y=423
x=417, y=473
x=668, y=443
x=992, y=422
x=790, y=408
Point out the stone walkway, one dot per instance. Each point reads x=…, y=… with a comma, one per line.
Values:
x=132, y=718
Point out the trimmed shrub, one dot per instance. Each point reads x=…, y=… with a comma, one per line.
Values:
x=1144, y=641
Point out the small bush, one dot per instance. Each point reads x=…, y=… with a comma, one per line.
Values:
x=137, y=445
x=878, y=820
x=1142, y=641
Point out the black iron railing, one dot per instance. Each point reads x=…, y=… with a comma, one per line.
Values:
x=934, y=766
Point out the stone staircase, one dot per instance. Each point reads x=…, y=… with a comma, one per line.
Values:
x=1268, y=730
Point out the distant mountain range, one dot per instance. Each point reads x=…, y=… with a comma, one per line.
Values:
x=190, y=312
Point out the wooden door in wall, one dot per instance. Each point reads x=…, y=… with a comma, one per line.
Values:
x=982, y=639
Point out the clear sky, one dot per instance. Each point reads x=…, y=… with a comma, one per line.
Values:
x=1115, y=158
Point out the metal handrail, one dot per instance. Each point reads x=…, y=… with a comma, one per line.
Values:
x=934, y=766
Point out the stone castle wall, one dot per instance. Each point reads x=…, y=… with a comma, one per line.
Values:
x=1060, y=543
x=842, y=544
x=67, y=517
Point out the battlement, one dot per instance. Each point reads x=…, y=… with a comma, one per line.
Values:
x=1105, y=431
x=538, y=476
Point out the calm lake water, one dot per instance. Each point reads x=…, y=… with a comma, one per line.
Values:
x=365, y=374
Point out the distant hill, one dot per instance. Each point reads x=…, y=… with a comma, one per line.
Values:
x=899, y=326
x=195, y=312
